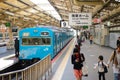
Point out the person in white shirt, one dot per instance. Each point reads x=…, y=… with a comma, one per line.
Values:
x=101, y=66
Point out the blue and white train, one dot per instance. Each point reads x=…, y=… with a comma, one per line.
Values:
x=37, y=42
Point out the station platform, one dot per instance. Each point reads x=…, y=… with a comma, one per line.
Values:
x=7, y=58
x=62, y=68
x=4, y=52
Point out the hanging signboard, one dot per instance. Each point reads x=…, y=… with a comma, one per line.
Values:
x=80, y=19
x=8, y=24
x=64, y=24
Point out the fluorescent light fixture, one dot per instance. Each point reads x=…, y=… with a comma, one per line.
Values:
x=36, y=21
x=47, y=7
x=26, y=18
x=10, y=13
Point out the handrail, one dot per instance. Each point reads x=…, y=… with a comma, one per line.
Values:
x=33, y=72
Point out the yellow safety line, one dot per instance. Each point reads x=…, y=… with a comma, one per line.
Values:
x=58, y=74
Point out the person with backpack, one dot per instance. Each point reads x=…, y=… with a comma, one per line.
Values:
x=77, y=60
x=115, y=59
x=102, y=69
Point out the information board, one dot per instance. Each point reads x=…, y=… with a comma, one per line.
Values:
x=80, y=19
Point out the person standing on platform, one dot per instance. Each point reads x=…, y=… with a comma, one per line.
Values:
x=91, y=39
x=78, y=47
x=16, y=45
x=79, y=41
x=118, y=42
x=115, y=59
x=101, y=66
x=77, y=60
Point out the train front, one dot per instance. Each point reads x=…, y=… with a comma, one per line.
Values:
x=35, y=43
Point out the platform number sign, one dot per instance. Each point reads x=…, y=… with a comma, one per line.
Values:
x=80, y=19
x=64, y=24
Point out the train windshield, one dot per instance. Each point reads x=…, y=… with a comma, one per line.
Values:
x=36, y=41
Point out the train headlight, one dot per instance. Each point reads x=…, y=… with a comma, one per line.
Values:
x=26, y=34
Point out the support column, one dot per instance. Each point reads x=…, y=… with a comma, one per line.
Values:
x=3, y=29
x=10, y=44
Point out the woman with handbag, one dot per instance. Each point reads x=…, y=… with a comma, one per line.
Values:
x=115, y=59
x=77, y=63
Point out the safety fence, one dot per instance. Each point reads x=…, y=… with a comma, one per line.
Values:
x=37, y=71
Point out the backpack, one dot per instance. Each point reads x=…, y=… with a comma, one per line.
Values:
x=105, y=67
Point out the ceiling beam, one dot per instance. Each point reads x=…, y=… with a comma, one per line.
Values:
x=2, y=0
x=80, y=3
x=112, y=14
x=101, y=8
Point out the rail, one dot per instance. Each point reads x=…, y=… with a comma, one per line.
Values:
x=37, y=71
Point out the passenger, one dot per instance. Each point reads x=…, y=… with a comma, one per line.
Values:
x=79, y=42
x=91, y=39
x=85, y=34
x=118, y=42
x=77, y=37
x=16, y=45
x=77, y=60
x=115, y=59
x=78, y=47
x=101, y=64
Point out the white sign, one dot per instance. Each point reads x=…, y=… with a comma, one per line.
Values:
x=64, y=24
x=80, y=19
x=117, y=0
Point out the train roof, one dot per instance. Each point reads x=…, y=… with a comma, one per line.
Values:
x=52, y=28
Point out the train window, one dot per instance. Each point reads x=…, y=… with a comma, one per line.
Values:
x=45, y=41
x=36, y=41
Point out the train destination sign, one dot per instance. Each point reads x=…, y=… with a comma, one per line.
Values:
x=80, y=19
x=44, y=33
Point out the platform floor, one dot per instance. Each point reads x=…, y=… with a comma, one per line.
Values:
x=4, y=52
x=63, y=69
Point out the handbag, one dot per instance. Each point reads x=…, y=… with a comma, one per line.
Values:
x=85, y=70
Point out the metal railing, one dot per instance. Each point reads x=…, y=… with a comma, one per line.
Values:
x=33, y=72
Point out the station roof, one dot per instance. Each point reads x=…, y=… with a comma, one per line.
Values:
x=25, y=13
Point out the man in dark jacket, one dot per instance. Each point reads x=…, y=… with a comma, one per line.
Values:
x=16, y=47
x=118, y=42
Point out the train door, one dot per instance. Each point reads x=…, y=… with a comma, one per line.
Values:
x=60, y=42
x=55, y=45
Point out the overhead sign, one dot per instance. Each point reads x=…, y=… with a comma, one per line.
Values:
x=8, y=24
x=64, y=24
x=96, y=20
x=117, y=0
x=80, y=19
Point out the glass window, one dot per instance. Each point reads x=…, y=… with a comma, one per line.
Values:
x=36, y=41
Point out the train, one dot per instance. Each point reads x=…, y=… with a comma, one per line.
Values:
x=38, y=42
